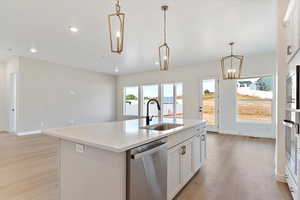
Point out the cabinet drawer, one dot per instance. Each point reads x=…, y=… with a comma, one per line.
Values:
x=200, y=129
x=180, y=137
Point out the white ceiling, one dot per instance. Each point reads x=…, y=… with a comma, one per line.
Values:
x=198, y=31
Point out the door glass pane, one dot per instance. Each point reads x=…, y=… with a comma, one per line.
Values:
x=150, y=92
x=168, y=100
x=179, y=101
x=209, y=101
x=131, y=101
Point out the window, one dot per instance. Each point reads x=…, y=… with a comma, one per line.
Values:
x=254, y=99
x=169, y=97
x=168, y=100
x=131, y=101
x=179, y=100
x=172, y=100
x=150, y=92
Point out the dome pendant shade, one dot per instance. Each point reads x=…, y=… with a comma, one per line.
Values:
x=116, y=30
x=232, y=65
x=164, y=49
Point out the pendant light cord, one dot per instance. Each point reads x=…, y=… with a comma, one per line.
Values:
x=231, y=45
x=165, y=26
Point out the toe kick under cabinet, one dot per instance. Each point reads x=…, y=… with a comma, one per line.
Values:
x=186, y=154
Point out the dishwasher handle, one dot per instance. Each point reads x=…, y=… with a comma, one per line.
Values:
x=148, y=152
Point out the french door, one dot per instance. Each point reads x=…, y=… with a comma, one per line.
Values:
x=209, y=103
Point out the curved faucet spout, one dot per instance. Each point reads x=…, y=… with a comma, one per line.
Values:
x=148, y=103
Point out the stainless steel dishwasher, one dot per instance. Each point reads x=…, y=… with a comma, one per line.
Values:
x=147, y=171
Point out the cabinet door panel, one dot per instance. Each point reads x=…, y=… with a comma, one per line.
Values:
x=196, y=153
x=292, y=30
x=186, y=164
x=203, y=148
x=174, y=175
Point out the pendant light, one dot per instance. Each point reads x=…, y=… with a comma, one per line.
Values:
x=116, y=29
x=232, y=65
x=164, y=50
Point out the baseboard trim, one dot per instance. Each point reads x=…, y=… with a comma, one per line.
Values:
x=280, y=178
x=227, y=132
x=29, y=133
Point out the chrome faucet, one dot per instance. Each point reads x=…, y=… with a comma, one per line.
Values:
x=148, y=119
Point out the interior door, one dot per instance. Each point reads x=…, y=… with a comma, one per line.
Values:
x=12, y=102
x=209, y=103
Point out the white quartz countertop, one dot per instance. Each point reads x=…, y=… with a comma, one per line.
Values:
x=119, y=136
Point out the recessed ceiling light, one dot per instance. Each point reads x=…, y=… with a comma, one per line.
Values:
x=74, y=29
x=116, y=70
x=33, y=50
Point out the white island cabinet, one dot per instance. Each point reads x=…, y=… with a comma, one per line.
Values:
x=92, y=158
x=186, y=155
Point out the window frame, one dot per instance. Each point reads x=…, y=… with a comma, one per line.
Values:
x=251, y=99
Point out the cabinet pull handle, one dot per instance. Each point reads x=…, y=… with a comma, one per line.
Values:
x=289, y=50
x=183, y=150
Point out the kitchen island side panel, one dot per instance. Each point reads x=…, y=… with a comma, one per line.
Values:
x=94, y=174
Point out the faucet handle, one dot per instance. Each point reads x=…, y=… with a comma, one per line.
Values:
x=151, y=118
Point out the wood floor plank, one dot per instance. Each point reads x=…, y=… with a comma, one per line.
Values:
x=238, y=168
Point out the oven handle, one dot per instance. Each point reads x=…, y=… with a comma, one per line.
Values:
x=291, y=124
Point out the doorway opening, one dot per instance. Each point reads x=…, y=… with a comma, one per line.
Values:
x=209, y=101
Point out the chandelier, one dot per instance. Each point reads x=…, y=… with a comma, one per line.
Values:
x=164, y=50
x=232, y=65
x=116, y=29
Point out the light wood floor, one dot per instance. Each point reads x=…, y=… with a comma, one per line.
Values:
x=28, y=169
x=238, y=168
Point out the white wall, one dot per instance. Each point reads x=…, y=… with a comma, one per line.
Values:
x=190, y=77
x=2, y=98
x=52, y=95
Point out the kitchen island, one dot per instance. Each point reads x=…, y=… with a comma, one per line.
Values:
x=93, y=157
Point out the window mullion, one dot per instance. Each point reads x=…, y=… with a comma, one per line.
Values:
x=140, y=101
x=174, y=100
x=160, y=95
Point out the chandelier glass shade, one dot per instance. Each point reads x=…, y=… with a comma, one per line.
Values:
x=164, y=49
x=116, y=29
x=232, y=65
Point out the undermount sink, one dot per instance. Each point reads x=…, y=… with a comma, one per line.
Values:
x=162, y=127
